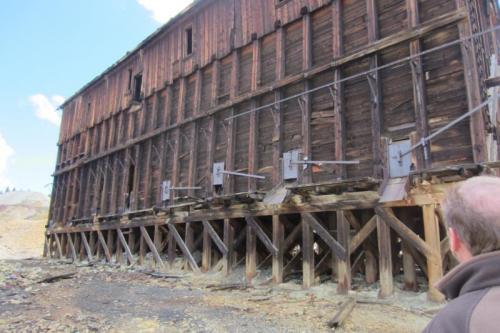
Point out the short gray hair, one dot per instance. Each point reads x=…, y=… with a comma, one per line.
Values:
x=472, y=209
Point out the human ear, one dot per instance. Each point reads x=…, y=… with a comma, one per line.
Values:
x=455, y=242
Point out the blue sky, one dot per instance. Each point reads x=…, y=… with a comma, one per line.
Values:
x=48, y=50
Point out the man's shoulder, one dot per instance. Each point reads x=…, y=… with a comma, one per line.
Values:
x=455, y=316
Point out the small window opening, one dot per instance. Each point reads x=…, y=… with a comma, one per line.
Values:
x=129, y=86
x=137, y=87
x=189, y=41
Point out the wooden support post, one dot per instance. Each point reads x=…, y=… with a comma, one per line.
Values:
x=229, y=242
x=110, y=242
x=58, y=246
x=231, y=139
x=215, y=237
x=157, y=238
x=251, y=254
x=343, y=264
x=104, y=246
x=124, y=244
x=385, y=258
x=131, y=240
x=134, y=200
x=86, y=245
x=278, y=242
x=147, y=173
x=215, y=82
x=197, y=92
x=189, y=239
x=252, y=223
x=114, y=184
x=434, y=263
x=171, y=250
x=152, y=247
x=183, y=247
x=119, y=249
x=277, y=138
x=206, y=262
x=142, y=250
x=72, y=247
x=308, y=276
x=410, y=274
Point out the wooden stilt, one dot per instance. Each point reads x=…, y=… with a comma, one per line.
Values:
x=229, y=242
x=344, y=264
x=171, y=250
x=307, y=255
x=434, y=264
x=410, y=274
x=385, y=258
x=278, y=242
x=251, y=254
x=110, y=242
x=86, y=245
x=72, y=249
x=131, y=240
x=119, y=249
x=104, y=246
x=121, y=238
x=206, y=262
x=184, y=248
x=142, y=250
x=58, y=246
x=189, y=240
x=151, y=245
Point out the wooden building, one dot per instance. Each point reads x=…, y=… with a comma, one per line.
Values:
x=278, y=134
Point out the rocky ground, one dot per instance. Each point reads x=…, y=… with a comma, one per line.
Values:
x=100, y=298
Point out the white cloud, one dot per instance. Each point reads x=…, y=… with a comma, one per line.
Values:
x=163, y=10
x=46, y=108
x=6, y=152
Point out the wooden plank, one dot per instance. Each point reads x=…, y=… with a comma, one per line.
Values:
x=104, y=246
x=305, y=177
x=434, y=262
x=147, y=173
x=215, y=237
x=307, y=248
x=334, y=245
x=277, y=138
x=124, y=244
x=171, y=249
x=362, y=234
x=183, y=247
x=385, y=258
x=344, y=263
x=410, y=274
x=151, y=246
x=230, y=146
x=406, y=233
x=278, y=242
x=252, y=148
x=86, y=245
x=262, y=235
x=72, y=247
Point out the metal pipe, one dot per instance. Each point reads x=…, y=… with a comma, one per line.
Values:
x=185, y=188
x=325, y=162
x=242, y=174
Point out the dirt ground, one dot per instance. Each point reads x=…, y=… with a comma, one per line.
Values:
x=100, y=298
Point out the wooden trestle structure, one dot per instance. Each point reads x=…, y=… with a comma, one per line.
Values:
x=246, y=82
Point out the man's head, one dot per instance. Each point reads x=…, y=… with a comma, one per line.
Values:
x=472, y=214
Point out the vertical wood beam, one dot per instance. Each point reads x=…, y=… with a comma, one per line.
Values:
x=278, y=242
x=171, y=253
x=256, y=62
x=197, y=92
x=151, y=245
x=175, y=158
x=385, y=258
x=277, y=138
x=308, y=276
x=251, y=254
x=229, y=242
x=121, y=237
x=58, y=246
x=306, y=175
x=235, y=74
x=134, y=200
x=193, y=157
x=215, y=82
x=118, y=249
x=410, y=274
x=161, y=166
x=477, y=121
x=375, y=89
x=189, y=239
x=434, y=263
x=419, y=89
x=343, y=266
x=280, y=53
x=114, y=183
x=182, y=100
x=147, y=173
x=252, y=147
x=337, y=94
x=210, y=152
x=142, y=250
x=131, y=240
x=72, y=247
x=230, y=126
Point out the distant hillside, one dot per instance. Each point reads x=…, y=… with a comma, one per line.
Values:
x=23, y=216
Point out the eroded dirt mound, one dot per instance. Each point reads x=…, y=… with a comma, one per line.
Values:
x=23, y=216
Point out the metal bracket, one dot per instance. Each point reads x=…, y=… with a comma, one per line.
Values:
x=219, y=172
x=166, y=189
x=290, y=169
